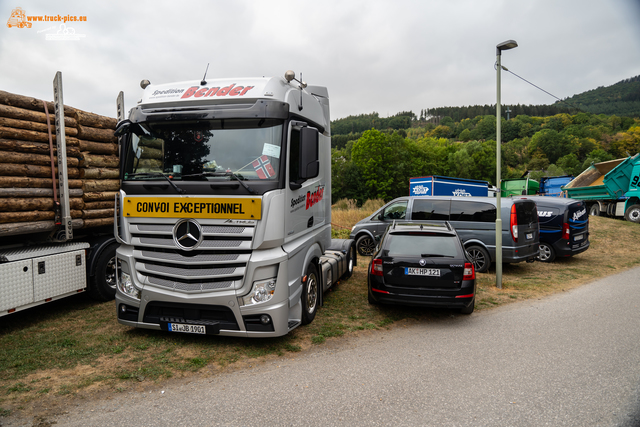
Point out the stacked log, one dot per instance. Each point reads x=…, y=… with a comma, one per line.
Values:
x=27, y=202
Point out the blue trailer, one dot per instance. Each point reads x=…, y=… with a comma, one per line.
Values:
x=446, y=186
x=552, y=185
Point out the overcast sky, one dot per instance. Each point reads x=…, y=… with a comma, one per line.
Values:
x=373, y=55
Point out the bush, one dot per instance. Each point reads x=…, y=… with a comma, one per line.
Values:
x=345, y=205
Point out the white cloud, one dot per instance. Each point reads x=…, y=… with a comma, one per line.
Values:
x=372, y=55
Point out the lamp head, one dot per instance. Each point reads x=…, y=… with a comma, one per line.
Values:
x=509, y=44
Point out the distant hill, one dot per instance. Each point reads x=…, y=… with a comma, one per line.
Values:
x=620, y=99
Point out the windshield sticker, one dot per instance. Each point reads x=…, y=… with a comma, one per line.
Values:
x=271, y=150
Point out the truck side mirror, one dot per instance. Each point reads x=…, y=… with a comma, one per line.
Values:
x=309, y=157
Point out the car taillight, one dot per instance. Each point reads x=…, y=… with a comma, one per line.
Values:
x=376, y=267
x=565, y=231
x=469, y=271
x=513, y=223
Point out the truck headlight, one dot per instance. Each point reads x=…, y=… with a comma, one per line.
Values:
x=262, y=291
x=125, y=283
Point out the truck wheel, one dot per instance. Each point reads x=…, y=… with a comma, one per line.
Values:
x=595, y=210
x=365, y=245
x=547, y=254
x=480, y=258
x=469, y=310
x=351, y=261
x=309, y=296
x=102, y=285
x=633, y=213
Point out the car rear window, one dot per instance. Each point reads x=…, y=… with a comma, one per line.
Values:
x=424, y=210
x=472, y=211
x=526, y=211
x=418, y=244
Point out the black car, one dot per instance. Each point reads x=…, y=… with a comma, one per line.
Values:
x=564, y=226
x=424, y=265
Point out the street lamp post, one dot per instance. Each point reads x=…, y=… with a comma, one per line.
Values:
x=509, y=44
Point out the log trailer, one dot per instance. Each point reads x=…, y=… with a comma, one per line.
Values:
x=224, y=213
x=45, y=260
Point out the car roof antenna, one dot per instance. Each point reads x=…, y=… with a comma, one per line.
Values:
x=204, y=82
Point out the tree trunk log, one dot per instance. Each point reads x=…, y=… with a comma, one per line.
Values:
x=29, y=103
x=34, y=159
x=106, y=204
x=95, y=134
x=100, y=161
x=85, y=118
x=36, y=204
x=99, y=173
x=35, y=147
x=30, y=135
x=98, y=222
x=37, y=192
x=34, y=116
x=97, y=213
x=27, y=182
x=95, y=197
x=98, y=147
x=8, y=217
x=7, y=169
x=92, y=186
x=35, y=126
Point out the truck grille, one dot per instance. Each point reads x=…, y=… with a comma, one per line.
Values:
x=218, y=263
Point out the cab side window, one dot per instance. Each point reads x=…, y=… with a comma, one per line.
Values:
x=294, y=156
x=472, y=211
x=396, y=210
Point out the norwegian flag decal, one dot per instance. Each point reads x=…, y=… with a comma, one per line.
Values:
x=263, y=167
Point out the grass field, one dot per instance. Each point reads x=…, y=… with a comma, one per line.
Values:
x=75, y=348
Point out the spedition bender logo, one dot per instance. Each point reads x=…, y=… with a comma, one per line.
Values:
x=308, y=199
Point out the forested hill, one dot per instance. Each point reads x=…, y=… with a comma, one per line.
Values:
x=621, y=99
x=374, y=157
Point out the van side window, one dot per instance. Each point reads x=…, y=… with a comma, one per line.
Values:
x=396, y=210
x=424, y=210
x=472, y=211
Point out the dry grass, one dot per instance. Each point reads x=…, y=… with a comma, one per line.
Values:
x=75, y=347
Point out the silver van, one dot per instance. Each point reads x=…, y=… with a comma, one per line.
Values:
x=473, y=218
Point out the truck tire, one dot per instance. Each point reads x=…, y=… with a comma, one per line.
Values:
x=102, y=285
x=351, y=261
x=480, y=258
x=594, y=210
x=365, y=245
x=633, y=214
x=547, y=254
x=310, y=295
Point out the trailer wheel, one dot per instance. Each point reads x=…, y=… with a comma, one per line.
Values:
x=633, y=213
x=595, y=210
x=102, y=285
x=309, y=297
x=351, y=261
x=480, y=258
x=365, y=245
x=547, y=254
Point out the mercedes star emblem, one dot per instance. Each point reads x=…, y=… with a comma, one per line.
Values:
x=187, y=234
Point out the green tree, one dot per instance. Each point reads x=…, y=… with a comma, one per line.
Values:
x=552, y=143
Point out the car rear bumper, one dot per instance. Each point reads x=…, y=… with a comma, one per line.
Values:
x=443, y=298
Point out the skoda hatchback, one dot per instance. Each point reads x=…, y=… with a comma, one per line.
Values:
x=423, y=265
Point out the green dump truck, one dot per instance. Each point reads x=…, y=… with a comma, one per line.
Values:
x=610, y=188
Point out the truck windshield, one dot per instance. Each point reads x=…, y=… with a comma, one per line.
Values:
x=243, y=149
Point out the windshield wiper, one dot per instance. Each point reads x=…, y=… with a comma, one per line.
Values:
x=157, y=174
x=435, y=255
x=231, y=174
